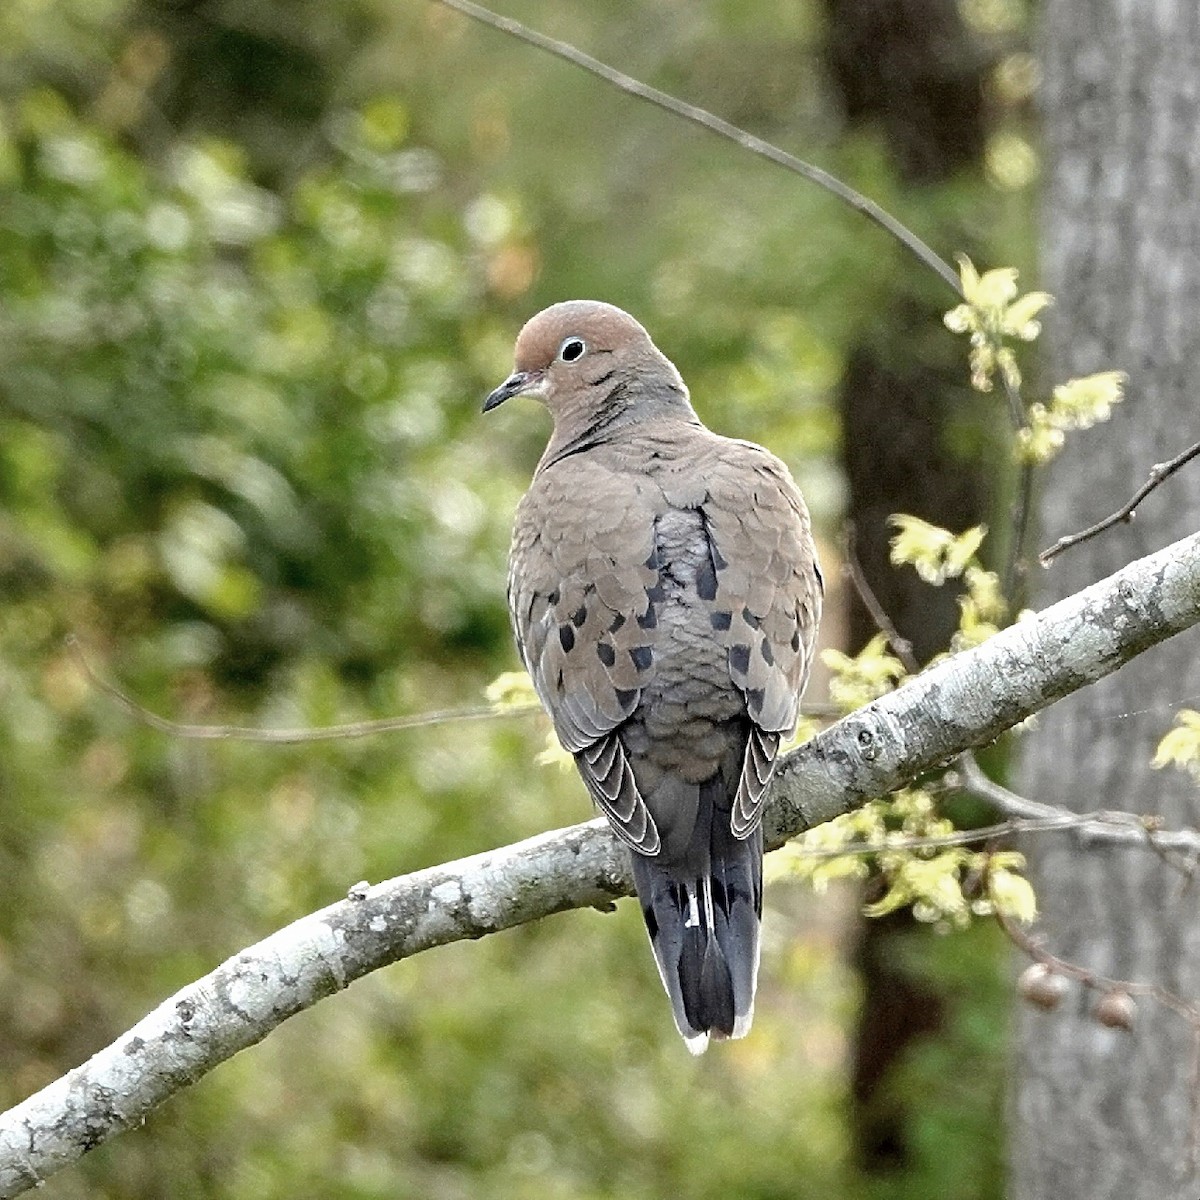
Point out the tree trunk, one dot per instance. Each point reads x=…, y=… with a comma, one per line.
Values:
x=1098, y=1113
x=909, y=69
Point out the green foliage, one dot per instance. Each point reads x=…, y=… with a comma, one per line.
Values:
x=258, y=265
x=900, y=839
x=963, y=1102
x=1180, y=746
x=855, y=680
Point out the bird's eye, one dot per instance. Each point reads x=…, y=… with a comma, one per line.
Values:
x=572, y=349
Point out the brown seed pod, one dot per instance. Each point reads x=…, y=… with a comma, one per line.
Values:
x=1041, y=986
x=1116, y=1009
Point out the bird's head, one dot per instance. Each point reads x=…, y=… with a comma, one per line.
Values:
x=581, y=356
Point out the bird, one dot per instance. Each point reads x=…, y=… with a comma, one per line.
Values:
x=665, y=594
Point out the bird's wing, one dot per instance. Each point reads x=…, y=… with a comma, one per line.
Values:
x=766, y=602
x=581, y=568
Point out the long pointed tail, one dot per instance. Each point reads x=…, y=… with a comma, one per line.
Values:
x=703, y=914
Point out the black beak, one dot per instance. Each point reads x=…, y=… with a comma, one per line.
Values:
x=512, y=386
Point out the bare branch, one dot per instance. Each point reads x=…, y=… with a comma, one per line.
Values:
x=714, y=124
x=962, y=702
x=1106, y=827
x=1158, y=473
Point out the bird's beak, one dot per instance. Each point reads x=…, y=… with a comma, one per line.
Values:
x=514, y=385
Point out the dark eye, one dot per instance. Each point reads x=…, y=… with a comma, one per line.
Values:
x=572, y=349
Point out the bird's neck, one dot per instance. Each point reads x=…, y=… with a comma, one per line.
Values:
x=627, y=409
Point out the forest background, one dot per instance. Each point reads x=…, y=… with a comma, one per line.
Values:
x=258, y=265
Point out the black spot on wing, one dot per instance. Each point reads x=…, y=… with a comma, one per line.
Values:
x=767, y=653
x=750, y=619
x=706, y=580
x=566, y=636
x=714, y=563
x=642, y=657
x=579, y=616
x=649, y=619
x=617, y=622
x=606, y=654
x=739, y=658
x=720, y=621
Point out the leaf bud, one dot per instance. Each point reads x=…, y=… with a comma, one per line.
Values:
x=1116, y=1009
x=1041, y=986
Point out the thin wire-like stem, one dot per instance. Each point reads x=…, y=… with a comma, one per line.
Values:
x=900, y=645
x=1059, y=821
x=1015, y=569
x=714, y=124
x=1158, y=474
x=325, y=733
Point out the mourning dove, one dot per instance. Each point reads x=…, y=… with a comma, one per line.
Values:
x=665, y=595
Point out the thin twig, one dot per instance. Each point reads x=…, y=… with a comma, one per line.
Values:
x=1110, y=826
x=1062, y=821
x=1158, y=473
x=900, y=645
x=714, y=124
x=1130, y=987
x=1093, y=979
x=1016, y=569
x=325, y=733
x=1016, y=405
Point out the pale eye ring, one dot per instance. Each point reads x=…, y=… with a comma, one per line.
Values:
x=572, y=348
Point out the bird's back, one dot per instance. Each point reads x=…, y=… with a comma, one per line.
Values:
x=664, y=597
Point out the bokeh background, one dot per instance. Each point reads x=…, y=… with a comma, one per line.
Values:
x=259, y=262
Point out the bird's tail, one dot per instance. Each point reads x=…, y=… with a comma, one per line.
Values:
x=703, y=914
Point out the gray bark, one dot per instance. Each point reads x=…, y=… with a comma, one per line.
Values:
x=1098, y=1114
x=963, y=702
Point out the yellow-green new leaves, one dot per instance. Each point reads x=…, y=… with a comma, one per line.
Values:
x=1009, y=893
x=1181, y=746
x=857, y=680
x=992, y=312
x=982, y=608
x=1077, y=404
x=511, y=689
x=935, y=553
x=936, y=882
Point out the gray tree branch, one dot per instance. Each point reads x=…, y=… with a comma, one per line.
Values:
x=963, y=702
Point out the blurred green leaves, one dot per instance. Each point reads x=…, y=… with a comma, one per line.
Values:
x=258, y=265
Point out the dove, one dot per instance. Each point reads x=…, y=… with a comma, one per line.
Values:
x=665, y=594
